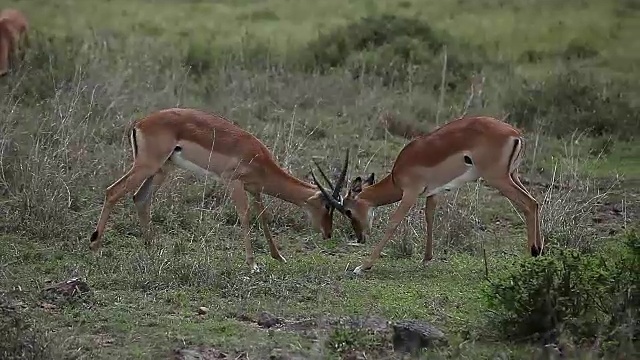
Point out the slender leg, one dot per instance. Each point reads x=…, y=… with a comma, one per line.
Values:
x=262, y=216
x=527, y=204
x=4, y=53
x=409, y=198
x=131, y=181
x=142, y=199
x=241, y=201
x=539, y=240
x=429, y=212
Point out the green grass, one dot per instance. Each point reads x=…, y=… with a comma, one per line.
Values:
x=507, y=30
x=146, y=302
x=67, y=116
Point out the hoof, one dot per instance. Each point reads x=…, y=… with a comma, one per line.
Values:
x=360, y=270
x=94, y=243
x=536, y=251
x=426, y=262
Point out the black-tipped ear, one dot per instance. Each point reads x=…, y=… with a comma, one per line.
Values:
x=356, y=185
x=371, y=179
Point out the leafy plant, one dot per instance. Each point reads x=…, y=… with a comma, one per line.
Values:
x=570, y=100
x=345, y=340
x=563, y=292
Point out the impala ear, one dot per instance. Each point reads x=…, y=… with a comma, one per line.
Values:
x=370, y=180
x=356, y=185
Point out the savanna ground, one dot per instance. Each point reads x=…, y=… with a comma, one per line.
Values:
x=311, y=79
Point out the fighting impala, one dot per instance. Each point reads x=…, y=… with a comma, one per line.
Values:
x=13, y=37
x=210, y=145
x=460, y=151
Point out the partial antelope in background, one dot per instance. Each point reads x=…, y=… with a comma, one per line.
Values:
x=210, y=145
x=13, y=37
x=460, y=151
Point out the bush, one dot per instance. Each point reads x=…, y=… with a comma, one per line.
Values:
x=396, y=49
x=585, y=297
x=573, y=100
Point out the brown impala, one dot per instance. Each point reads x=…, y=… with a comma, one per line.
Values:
x=13, y=36
x=210, y=145
x=460, y=151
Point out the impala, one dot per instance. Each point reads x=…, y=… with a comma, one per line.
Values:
x=460, y=151
x=13, y=31
x=210, y=145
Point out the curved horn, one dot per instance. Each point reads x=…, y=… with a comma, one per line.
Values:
x=324, y=176
x=332, y=201
x=341, y=180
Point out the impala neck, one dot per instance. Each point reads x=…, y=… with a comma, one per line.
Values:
x=288, y=188
x=383, y=192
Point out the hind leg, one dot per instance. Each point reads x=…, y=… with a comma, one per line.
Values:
x=142, y=200
x=4, y=54
x=149, y=158
x=131, y=181
x=509, y=188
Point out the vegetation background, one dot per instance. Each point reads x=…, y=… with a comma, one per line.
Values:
x=311, y=78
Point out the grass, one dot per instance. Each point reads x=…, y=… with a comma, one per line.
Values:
x=508, y=30
x=64, y=116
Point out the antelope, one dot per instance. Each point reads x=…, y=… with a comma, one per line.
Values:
x=210, y=145
x=460, y=151
x=13, y=36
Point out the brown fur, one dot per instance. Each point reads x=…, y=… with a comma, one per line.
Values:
x=13, y=37
x=210, y=144
x=462, y=150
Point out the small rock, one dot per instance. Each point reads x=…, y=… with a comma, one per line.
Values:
x=411, y=335
x=203, y=310
x=68, y=288
x=267, y=320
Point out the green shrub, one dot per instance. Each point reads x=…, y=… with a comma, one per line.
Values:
x=396, y=49
x=345, y=340
x=585, y=297
x=624, y=324
x=538, y=295
x=573, y=100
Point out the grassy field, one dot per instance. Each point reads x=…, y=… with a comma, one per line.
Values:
x=567, y=74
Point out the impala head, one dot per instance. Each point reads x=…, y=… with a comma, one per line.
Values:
x=358, y=211
x=321, y=214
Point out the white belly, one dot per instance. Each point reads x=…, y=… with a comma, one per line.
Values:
x=470, y=175
x=185, y=164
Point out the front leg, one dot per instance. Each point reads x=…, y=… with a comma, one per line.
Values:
x=262, y=216
x=409, y=198
x=429, y=212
